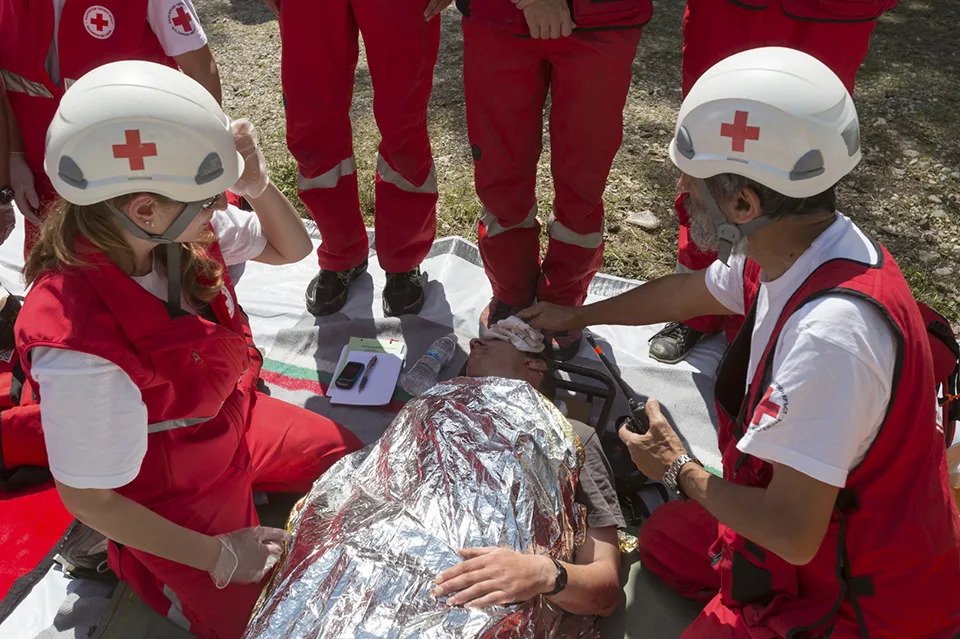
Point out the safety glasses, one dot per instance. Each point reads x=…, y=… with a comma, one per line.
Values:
x=210, y=202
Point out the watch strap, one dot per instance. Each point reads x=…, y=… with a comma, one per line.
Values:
x=672, y=477
x=561, y=581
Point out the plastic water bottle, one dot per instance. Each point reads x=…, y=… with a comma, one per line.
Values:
x=423, y=376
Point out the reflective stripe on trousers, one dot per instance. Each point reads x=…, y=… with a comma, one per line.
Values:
x=559, y=232
x=388, y=174
x=329, y=179
x=494, y=228
x=171, y=424
x=19, y=84
x=175, y=614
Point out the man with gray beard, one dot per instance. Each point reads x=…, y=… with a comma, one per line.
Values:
x=834, y=515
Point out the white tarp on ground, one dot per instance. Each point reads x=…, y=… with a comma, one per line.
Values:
x=456, y=292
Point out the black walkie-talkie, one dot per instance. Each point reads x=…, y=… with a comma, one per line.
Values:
x=638, y=410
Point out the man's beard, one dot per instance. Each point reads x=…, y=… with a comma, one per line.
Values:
x=703, y=230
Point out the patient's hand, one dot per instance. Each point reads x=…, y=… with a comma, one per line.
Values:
x=495, y=576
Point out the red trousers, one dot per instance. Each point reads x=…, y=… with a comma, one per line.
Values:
x=675, y=546
x=716, y=29
x=507, y=79
x=320, y=50
x=289, y=447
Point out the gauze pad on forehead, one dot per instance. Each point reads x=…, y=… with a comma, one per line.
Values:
x=517, y=332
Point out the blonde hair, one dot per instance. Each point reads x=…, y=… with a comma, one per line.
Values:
x=66, y=223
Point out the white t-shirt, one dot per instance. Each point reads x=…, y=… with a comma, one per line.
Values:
x=174, y=22
x=102, y=445
x=833, y=365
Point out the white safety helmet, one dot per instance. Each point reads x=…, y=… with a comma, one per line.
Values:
x=774, y=115
x=133, y=126
x=136, y=126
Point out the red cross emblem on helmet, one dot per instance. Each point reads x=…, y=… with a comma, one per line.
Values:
x=739, y=132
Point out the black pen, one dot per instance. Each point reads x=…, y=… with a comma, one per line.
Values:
x=366, y=373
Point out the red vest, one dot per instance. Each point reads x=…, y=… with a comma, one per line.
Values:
x=587, y=14
x=196, y=376
x=825, y=10
x=83, y=44
x=889, y=565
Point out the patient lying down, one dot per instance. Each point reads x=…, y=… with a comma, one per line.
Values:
x=481, y=512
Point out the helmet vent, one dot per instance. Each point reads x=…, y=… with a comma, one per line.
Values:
x=851, y=135
x=70, y=173
x=685, y=143
x=210, y=169
x=808, y=166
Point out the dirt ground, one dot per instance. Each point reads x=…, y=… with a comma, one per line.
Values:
x=906, y=192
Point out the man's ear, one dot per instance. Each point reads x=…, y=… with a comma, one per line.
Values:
x=743, y=208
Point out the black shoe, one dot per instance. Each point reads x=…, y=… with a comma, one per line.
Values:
x=327, y=291
x=403, y=293
x=496, y=311
x=674, y=343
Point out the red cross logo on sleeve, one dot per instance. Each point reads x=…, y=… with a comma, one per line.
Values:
x=739, y=132
x=182, y=19
x=767, y=407
x=134, y=151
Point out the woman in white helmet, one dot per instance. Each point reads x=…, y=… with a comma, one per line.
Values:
x=142, y=357
x=833, y=515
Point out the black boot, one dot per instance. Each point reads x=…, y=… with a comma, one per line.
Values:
x=327, y=291
x=674, y=343
x=403, y=293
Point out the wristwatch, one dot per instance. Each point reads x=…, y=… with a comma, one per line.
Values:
x=561, y=582
x=6, y=195
x=672, y=476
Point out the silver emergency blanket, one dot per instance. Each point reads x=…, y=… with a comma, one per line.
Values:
x=471, y=463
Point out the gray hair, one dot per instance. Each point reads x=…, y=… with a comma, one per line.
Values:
x=775, y=205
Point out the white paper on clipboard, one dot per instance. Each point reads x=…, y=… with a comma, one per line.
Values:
x=381, y=382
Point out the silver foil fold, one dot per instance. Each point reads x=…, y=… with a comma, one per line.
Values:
x=473, y=462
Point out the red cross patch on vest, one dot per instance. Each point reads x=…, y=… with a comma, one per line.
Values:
x=99, y=22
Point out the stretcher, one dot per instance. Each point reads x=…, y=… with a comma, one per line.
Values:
x=301, y=353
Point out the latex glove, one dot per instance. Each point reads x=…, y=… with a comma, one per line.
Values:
x=254, y=179
x=21, y=179
x=247, y=555
x=8, y=221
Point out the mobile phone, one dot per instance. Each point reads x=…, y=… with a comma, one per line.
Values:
x=349, y=375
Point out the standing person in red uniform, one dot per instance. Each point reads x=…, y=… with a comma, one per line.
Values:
x=49, y=44
x=7, y=194
x=320, y=52
x=836, y=32
x=155, y=432
x=514, y=56
x=834, y=516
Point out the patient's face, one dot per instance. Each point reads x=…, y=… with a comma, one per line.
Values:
x=496, y=358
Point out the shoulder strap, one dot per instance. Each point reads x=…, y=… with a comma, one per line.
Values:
x=946, y=367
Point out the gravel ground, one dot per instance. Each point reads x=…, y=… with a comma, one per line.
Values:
x=906, y=192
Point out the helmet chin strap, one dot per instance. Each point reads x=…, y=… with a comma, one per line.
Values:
x=168, y=237
x=728, y=232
